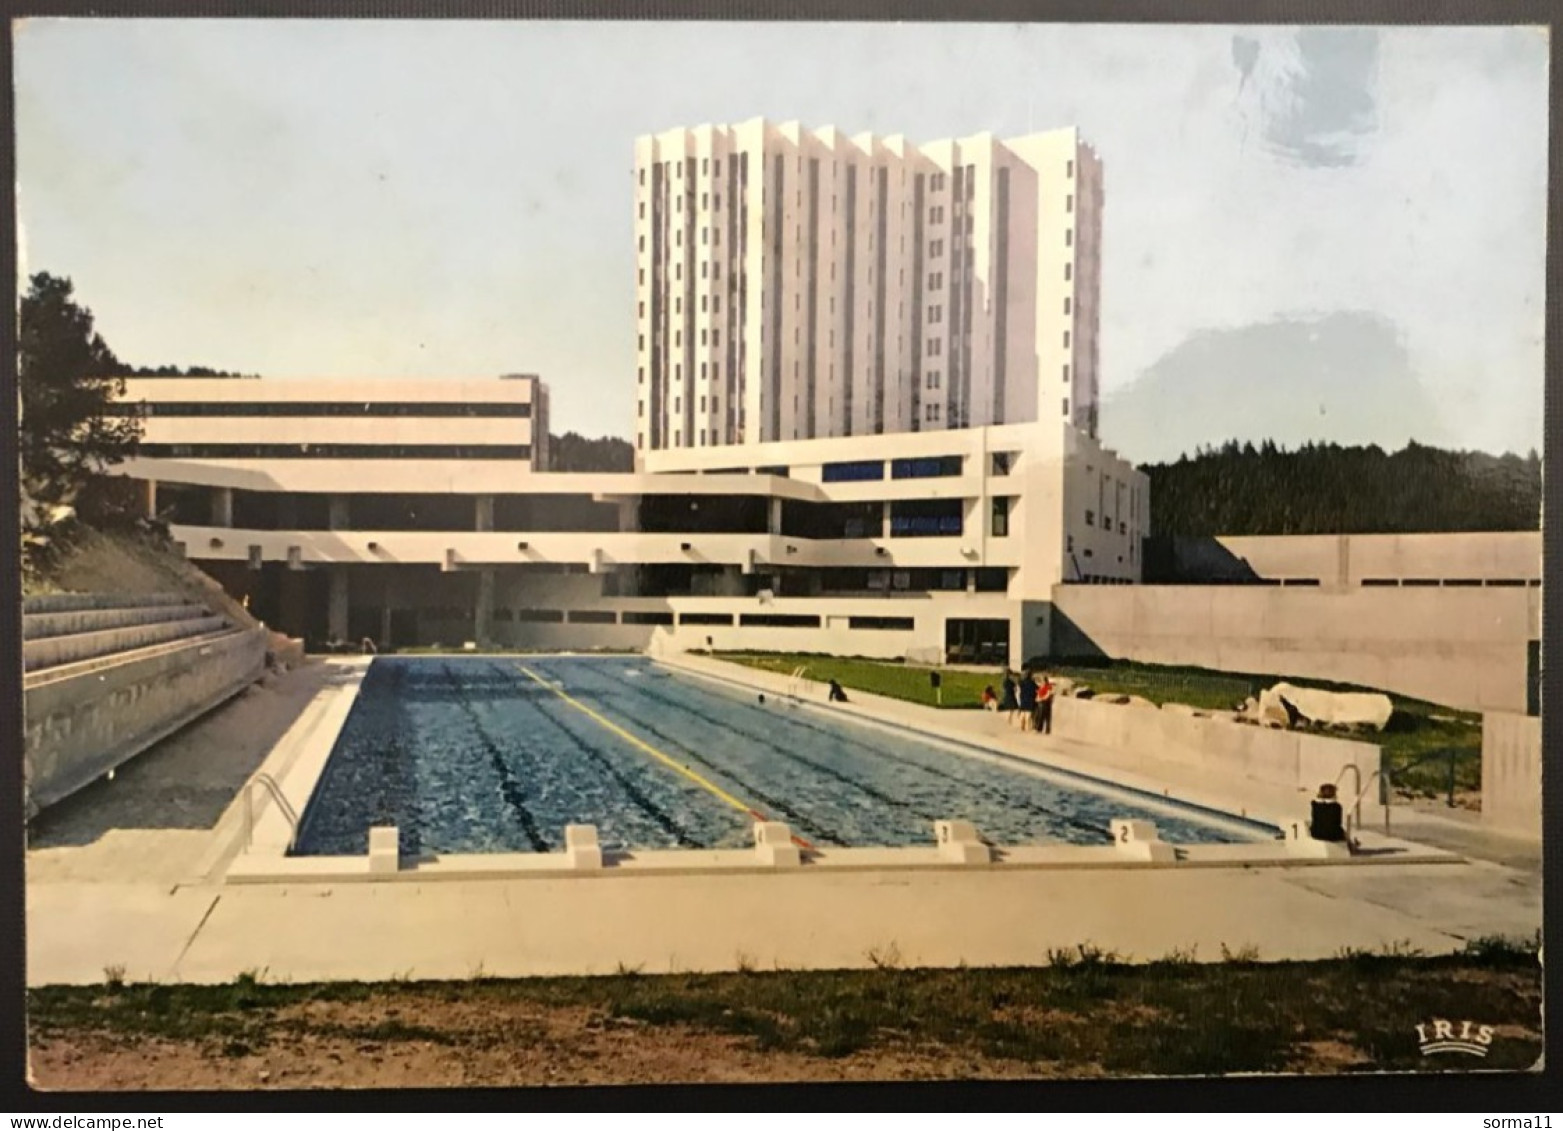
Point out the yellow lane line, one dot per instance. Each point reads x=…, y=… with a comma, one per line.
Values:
x=678, y=767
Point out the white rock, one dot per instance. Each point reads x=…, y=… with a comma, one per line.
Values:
x=1348, y=709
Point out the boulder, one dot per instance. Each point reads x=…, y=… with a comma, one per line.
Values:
x=1126, y=701
x=1295, y=706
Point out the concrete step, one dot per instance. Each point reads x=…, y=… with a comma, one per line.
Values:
x=39, y=626
x=51, y=675
x=74, y=602
x=55, y=650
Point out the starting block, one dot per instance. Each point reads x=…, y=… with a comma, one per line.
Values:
x=385, y=850
x=959, y=843
x=581, y=847
x=773, y=845
x=1299, y=843
x=1139, y=840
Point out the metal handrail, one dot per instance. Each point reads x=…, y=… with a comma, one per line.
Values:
x=288, y=812
x=1356, y=772
x=1382, y=776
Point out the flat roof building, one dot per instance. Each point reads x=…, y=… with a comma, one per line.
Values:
x=382, y=509
x=794, y=284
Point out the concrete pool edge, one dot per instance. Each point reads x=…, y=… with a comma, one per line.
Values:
x=267, y=868
x=298, y=763
x=1220, y=809
x=263, y=821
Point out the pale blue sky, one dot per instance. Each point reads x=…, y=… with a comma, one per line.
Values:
x=1317, y=234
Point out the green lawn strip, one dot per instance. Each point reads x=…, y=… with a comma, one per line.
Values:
x=1420, y=735
x=1085, y=1010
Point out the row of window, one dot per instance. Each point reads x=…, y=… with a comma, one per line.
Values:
x=931, y=467
x=708, y=269
x=651, y=617
x=1090, y=516
x=335, y=451
x=1500, y=582
x=709, y=304
x=315, y=408
x=706, y=202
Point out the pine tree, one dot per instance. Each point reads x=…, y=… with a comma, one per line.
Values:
x=66, y=376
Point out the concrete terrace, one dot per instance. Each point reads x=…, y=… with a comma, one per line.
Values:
x=128, y=876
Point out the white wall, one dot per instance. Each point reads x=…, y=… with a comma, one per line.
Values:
x=1350, y=559
x=1463, y=647
x=1274, y=757
x=1511, y=773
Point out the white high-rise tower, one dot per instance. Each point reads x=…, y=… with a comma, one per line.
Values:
x=797, y=283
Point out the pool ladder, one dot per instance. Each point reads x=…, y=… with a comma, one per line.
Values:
x=290, y=814
x=795, y=682
x=1379, y=777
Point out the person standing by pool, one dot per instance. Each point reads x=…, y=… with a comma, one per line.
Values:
x=1043, y=723
x=1028, y=700
x=1007, y=702
x=990, y=701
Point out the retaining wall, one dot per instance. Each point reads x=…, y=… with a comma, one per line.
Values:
x=1275, y=757
x=1465, y=647
x=84, y=720
x=1511, y=773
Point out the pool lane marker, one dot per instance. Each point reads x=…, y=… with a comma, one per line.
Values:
x=641, y=744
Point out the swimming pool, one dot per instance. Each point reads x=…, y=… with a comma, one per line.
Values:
x=493, y=754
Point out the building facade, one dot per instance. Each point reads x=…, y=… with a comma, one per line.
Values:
x=943, y=545
x=796, y=284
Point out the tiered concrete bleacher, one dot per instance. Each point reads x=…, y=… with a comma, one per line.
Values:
x=107, y=675
x=63, y=629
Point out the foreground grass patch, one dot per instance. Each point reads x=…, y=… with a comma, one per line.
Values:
x=1085, y=1012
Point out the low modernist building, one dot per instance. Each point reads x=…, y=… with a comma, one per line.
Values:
x=421, y=512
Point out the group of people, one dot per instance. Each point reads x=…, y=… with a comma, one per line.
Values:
x=1026, y=699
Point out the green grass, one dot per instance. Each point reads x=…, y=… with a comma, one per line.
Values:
x=490, y=649
x=1086, y=1010
x=1420, y=735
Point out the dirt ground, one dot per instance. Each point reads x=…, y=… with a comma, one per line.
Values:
x=527, y=1047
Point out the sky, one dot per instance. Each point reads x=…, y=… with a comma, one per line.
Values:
x=1329, y=234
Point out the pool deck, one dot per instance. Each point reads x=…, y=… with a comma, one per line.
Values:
x=151, y=900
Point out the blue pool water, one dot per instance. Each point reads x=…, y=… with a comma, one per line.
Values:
x=472, y=754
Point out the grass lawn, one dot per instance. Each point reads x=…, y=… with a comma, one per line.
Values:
x=1419, y=742
x=1085, y=1013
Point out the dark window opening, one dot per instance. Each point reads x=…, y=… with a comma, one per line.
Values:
x=992, y=580
x=831, y=520
x=631, y=617
x=705, y=618
x=937, y=467
x=913, y=518
x=857, y=472
x=540, y=616
x=777, y=620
